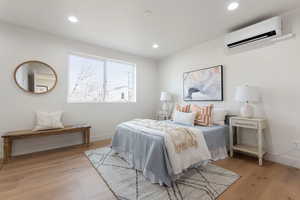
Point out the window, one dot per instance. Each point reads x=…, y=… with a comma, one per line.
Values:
x=100, y=80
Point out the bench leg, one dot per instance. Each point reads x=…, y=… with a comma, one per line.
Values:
x=83, y=137
x=7, y=149
x=86, y=136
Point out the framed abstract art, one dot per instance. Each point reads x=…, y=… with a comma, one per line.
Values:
x=203, y=84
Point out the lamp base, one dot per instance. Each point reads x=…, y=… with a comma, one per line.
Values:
x=165, y=107
x=247, y=110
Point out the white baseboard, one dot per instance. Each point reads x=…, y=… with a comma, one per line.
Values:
x=99, y=138
x=285, y=160
x=1, y=148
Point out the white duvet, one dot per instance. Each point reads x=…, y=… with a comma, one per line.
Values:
x=185, y=159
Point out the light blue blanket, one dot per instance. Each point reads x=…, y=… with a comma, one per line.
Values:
x=147, y=152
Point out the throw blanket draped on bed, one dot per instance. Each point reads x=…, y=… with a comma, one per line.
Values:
x=183, y=150
x=182, y=138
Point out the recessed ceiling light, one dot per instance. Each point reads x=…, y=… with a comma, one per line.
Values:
x=155, y=46
x=73, y=19
x=233, y=6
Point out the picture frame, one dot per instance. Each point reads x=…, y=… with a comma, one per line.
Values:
x=204, y=84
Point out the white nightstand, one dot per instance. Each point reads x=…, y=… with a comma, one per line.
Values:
x=259, y=125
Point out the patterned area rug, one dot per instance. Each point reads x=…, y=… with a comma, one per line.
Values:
x=203, y=183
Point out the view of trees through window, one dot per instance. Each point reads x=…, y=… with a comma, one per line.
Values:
x=100, y=80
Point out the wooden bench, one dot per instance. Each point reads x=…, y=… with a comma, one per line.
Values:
x=10, y=136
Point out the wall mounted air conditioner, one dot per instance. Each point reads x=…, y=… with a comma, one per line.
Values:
x=264, y=30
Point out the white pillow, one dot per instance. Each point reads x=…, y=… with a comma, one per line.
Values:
x=48, y=120
x=184, y=118
x=219, y=115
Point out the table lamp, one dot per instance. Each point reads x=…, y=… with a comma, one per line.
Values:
x=247, y=95
x=165, y=98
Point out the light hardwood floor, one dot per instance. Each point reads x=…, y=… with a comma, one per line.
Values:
x=66, y=174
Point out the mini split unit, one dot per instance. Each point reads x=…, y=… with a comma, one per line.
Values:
x=270, y=29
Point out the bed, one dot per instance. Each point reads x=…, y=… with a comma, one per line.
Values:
x=147, y=152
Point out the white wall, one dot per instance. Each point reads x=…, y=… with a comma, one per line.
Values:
x=17, y=107
x=275, y=69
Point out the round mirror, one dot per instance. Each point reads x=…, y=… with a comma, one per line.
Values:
x=35, y=77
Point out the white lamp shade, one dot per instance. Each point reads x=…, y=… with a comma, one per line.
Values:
x=247, y=93
x=165, y=96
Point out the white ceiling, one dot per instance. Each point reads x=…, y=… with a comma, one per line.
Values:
x=122, y=25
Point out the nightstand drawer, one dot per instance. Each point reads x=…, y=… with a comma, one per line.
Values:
x=244, y=123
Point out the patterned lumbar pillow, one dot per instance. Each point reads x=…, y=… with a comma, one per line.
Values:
x=204, y=114
x=48, y=120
